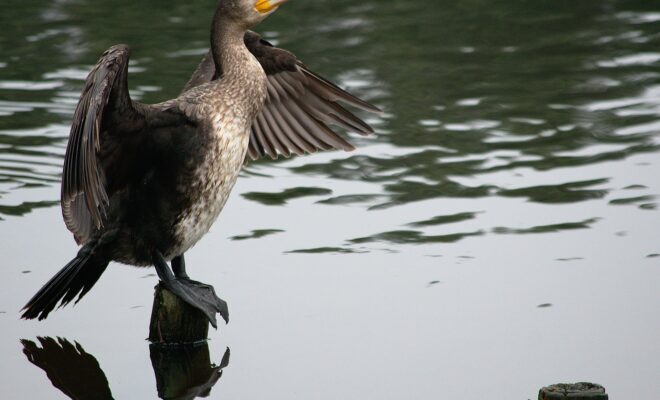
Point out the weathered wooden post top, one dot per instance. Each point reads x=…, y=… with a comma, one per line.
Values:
x=573, y=391
x=175, y=322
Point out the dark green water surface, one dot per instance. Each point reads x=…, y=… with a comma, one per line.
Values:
x=498, y=233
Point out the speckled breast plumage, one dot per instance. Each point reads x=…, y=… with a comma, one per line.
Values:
x=214, y=177
x=212, y=182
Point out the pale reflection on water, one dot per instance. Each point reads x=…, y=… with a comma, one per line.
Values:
x=496, y=235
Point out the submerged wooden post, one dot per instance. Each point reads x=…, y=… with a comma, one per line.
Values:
x=174, y=321
x=573, y=391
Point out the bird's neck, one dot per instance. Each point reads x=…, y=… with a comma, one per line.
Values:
x=240, y=75
x=227, y=46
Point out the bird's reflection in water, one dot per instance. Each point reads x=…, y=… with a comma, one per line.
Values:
x=182, y=373
x=70, y=369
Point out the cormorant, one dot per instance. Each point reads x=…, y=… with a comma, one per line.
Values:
x=143, y=183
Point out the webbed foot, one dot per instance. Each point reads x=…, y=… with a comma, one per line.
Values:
x=197, y=294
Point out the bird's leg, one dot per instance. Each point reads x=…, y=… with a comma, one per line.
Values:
x=179, y=267
x=196, y=294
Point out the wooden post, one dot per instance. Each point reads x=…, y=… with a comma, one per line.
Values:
x=175, y=322
x=573, y=391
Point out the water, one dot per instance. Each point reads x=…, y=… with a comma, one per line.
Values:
x=497, y=234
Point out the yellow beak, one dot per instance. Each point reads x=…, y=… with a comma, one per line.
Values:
x=265, y=6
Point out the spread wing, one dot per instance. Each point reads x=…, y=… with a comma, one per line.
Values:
x=300, y=108
x=104, y=104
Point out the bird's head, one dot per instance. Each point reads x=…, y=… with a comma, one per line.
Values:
x=248, y=12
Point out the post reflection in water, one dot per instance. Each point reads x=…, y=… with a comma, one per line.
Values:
x=185, y=372
x=182, y=373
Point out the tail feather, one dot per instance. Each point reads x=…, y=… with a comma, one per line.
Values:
x=75, y=279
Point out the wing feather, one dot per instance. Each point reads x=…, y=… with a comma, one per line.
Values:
x=268, y=126
x=260, y=137
x=302, y=105
x=302, y=139
x=84, y=188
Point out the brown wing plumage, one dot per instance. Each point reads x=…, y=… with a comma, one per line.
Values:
x=205, y=72
x=104, y=100
x=300, y=108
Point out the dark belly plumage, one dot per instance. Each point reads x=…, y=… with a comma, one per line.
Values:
x=178, y=196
